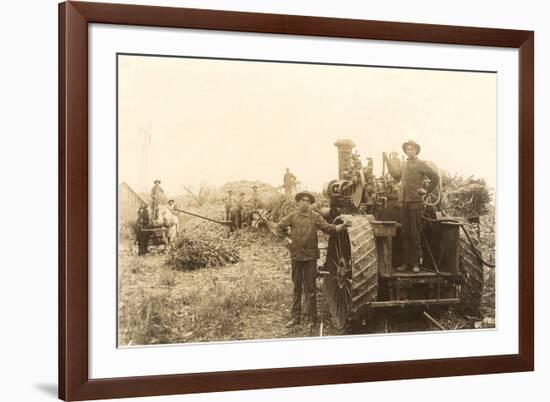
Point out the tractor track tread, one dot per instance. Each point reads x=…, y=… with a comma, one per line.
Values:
x=473, y=262
x=369, y=290
x=471, y=269
x=363, y=255
x=358, y=285
x=366, y=269
x=362, y=235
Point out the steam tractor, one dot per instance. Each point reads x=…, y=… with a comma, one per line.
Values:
x=361, y=261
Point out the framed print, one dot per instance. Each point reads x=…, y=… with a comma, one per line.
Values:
x=260, y=200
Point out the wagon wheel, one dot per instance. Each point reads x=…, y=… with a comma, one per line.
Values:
x=352, y=263
x=433, y=198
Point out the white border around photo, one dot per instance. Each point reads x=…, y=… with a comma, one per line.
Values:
x=106, y=360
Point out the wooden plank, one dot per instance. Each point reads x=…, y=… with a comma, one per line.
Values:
x=404, y=303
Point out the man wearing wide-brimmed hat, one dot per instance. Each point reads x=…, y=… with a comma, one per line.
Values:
x=157, y=193
x=304, y=252
x=412, y=175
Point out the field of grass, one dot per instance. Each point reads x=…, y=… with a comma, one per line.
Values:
x=246, y=300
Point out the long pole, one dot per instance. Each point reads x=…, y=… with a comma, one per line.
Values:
x=202, y=217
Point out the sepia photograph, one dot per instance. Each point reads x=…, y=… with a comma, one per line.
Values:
x=262, y=200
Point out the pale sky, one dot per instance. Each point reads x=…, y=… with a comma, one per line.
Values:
x=216, y=121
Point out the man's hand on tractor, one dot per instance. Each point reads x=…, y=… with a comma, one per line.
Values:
x=343, y=226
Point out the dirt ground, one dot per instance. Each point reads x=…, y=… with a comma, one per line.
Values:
x=247, y=300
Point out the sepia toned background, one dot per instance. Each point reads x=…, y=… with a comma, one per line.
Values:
x=190, y=121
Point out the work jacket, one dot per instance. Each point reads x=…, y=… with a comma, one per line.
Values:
x=289, y=179
x=412, y=174
x=156, y=192
x=304, y=228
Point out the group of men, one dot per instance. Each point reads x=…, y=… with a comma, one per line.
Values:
x=240, y=211
x=304, y=223
x=156, y=214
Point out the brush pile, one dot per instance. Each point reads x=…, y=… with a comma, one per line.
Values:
x=465, y=197
x=193, y=252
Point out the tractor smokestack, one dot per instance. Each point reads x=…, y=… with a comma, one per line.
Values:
x=344, y=156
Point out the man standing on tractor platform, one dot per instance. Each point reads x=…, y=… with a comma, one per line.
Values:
x=412, y=174
x=304, y=253
x=289, y=182
x=157, y=194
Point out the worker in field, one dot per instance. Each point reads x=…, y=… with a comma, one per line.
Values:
x=289, y=182
x=235, y=212
x=255, y=199
x=240, y=210
x=255, y=205
x=172, y=206
x=228, y=203
x=142, y=222
x=157, y=195
x=304, y=252
x=412, y=174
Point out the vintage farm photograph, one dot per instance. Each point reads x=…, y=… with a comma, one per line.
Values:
x=267, y=200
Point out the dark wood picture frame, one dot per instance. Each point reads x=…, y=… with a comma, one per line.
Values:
x=74, y=382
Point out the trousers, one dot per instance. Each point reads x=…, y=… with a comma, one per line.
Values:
x=411, y=221
x=304, y=275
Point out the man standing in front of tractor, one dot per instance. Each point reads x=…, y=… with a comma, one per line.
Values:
x=304, y=253
x=412, y=174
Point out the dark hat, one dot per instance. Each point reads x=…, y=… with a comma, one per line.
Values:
x=230, y=191
x=305, y=194
x=413, y=143
x=254, y=186
x=157, y=181
x=169, y=201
